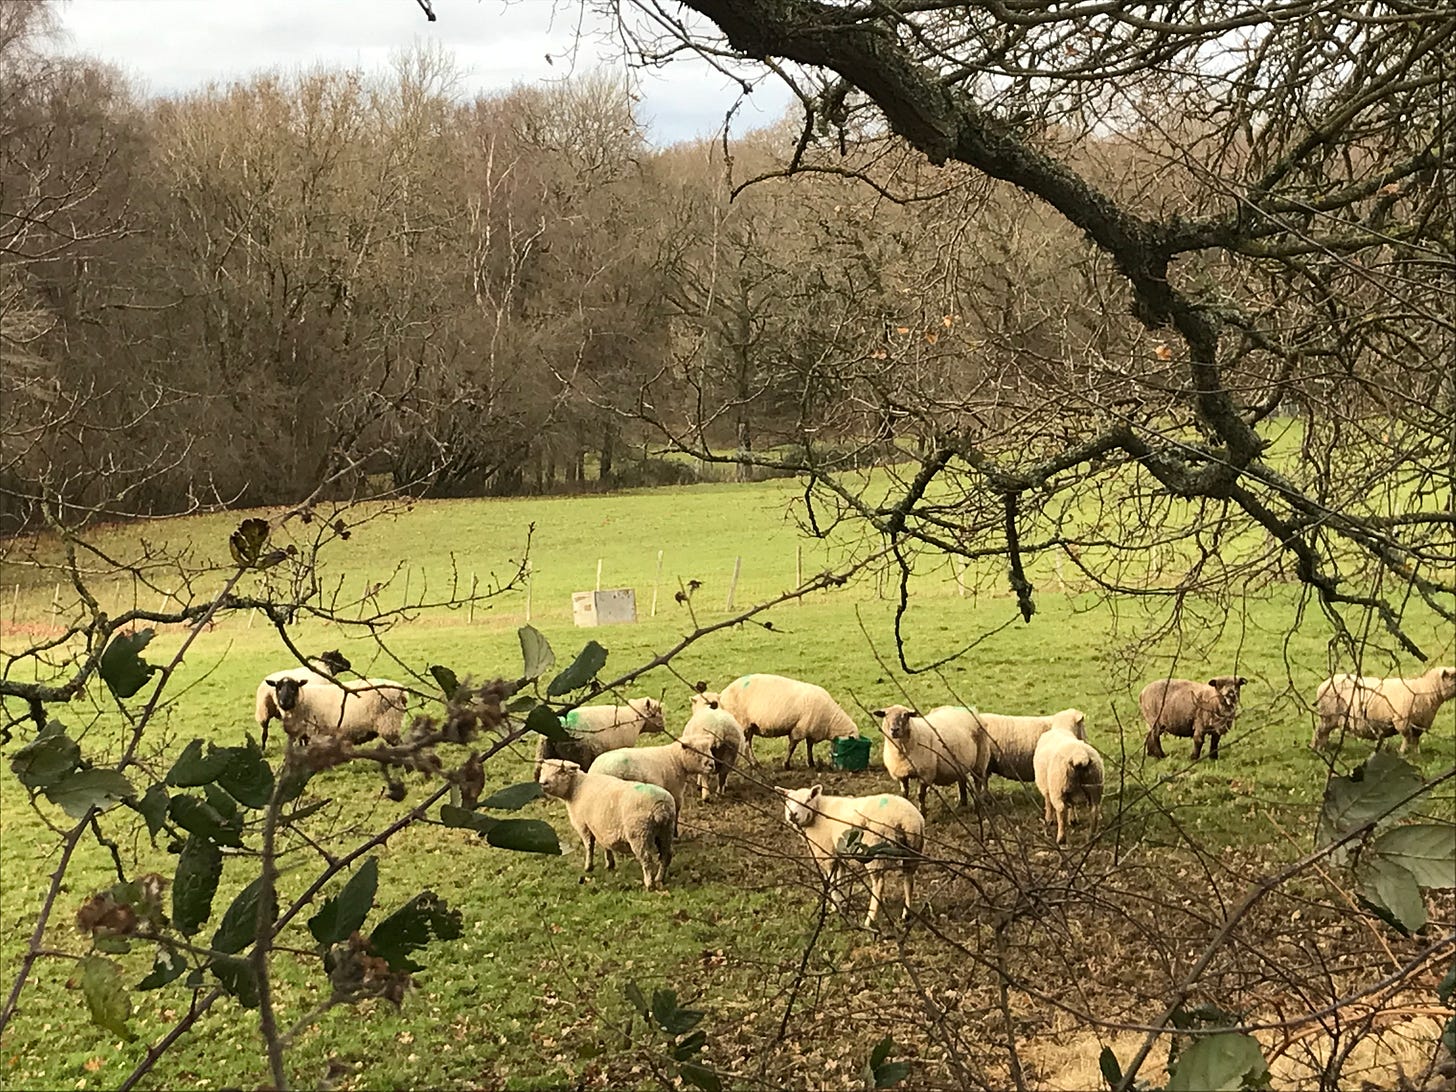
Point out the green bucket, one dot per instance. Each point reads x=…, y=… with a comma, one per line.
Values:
x=851, y=754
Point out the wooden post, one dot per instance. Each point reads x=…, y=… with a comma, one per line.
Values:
x=958, y=566
x=599, y=574
x=406, y=587
x=656, y=579
x=133, y=591
x=470, y=614
x=799, y=569
x=733, y=584
x=252, y=613
x=56, y=602
x=528, y=591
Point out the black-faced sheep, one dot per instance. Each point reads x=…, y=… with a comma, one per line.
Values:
x=356, y=710
x=1184, y=707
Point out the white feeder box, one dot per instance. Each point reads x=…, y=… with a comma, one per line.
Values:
x=604, y=608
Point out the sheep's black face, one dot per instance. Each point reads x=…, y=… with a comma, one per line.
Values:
x=287, y=691
x=898, y=726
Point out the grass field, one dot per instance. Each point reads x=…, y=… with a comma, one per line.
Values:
x=531, y=995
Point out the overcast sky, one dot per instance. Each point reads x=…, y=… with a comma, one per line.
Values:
x=175, y=45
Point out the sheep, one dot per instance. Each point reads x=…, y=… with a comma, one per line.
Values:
x=357, y=710
x=265, y=707
x=1183, y=707
x=1375, y=708
x=773, y=705
x=596, y=729
x=942, y=747
x=714, y=731
x=625, y=816
x=1068, y=771
x=1013, y=739
x=670, y=767
x=884, y=820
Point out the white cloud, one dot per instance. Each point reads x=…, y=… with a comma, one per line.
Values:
x=172, y=46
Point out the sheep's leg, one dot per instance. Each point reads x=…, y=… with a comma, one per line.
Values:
x=588, y=840
x=704, y=791
x=877, y=883
x=1047, y=814
x=1197, y=742
x=905, y=787
x=792, y=744
x=649, y=870
x=1062, y=825
x=1322, y=732
x=809, y=748
x=907, y=883
x=1153, y=744
x=611, y=859
x=965, y=792
x=1410, y=738
x=924, y=788
x=831, y=884
x=1213, y=745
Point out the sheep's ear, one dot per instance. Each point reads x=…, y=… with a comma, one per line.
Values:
x=878, y=713
x=780, y=790
x=272, y=682
x=814, y=793
x=1213, y=682
x=1240, y=681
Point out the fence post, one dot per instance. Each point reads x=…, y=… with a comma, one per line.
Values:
x=528, y=591
x=733, y=584
x=599, y=574
x=799, y=569
x=470, y=614
x=656, y=579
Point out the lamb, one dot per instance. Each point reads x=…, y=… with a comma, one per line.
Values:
x=265, y=707
x=773, y=705
x=1375, y=708
x=625, y=816
x=670, y=767
x=714, y=731
x=1068, y=771
x=1183, y=707
x=946, y=746
x=596, y=729
x=1013, y=739
x=884, y=820
x=357, y=710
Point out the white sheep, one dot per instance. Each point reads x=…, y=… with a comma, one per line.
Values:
x=1184, y=707
x=670, y=767
x=1375, y=708
x=946, y=746
x=1068, y=771
x=265, y=706
x=624, y=816
x=1013, y=739
x=716, y=732
x=773, y=705
x=888, y=821
x=597, y=729
x=355, y=710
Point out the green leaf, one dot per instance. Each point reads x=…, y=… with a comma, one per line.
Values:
x=199, y=866
x=1387, y=886
x=153, y=807
x=293, y=780
x=83, y=790
x=537, y=657
x=47, y=758
x=247, y=542
x=345, y=912
x=116, y=945
x=524, y=836
x=881, y=1052
x=1426, y=850
x=1219, y=1063
x=544, y=722
x=239, y=926
x=1369, y=791
x=203, y=820
x=246, y=776
x=634, y=995
x=448, y=680
x=168, y=968
x=238, y=978
x=464, y=819
x=198, y=764
x=583, y=670
x=105, y=997
x=513, y=797
x=122, y=667
x=700, y=1077
x=424, y=918
x=670, y=1018
x=690, y=1046
x=891, y=1073
x=1111, y=1071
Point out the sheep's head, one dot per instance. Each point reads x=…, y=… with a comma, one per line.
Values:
x=700, y=758
x=1446, y=683
x=1228, y=689
x=286, y=690
x=556, y=776
x=895, y=720
x=650, y=710
x=1073, y=720
x=799, y=810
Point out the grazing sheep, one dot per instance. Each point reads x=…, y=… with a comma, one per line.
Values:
x=946, y=746
x=356, y=710
x=265, y=707
x=1375, y=708
x=714, y=731
x=1183, y=707
x=773, y=705
x=1013, y=740
x=884, y=820
x=597, y=729
x=1068, y=771
x=671, y=767
x=625, y=816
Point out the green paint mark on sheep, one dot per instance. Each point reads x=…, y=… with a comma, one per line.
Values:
x=884, y=801
x=572, y=718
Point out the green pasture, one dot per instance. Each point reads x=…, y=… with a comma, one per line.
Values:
x=531, y=995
